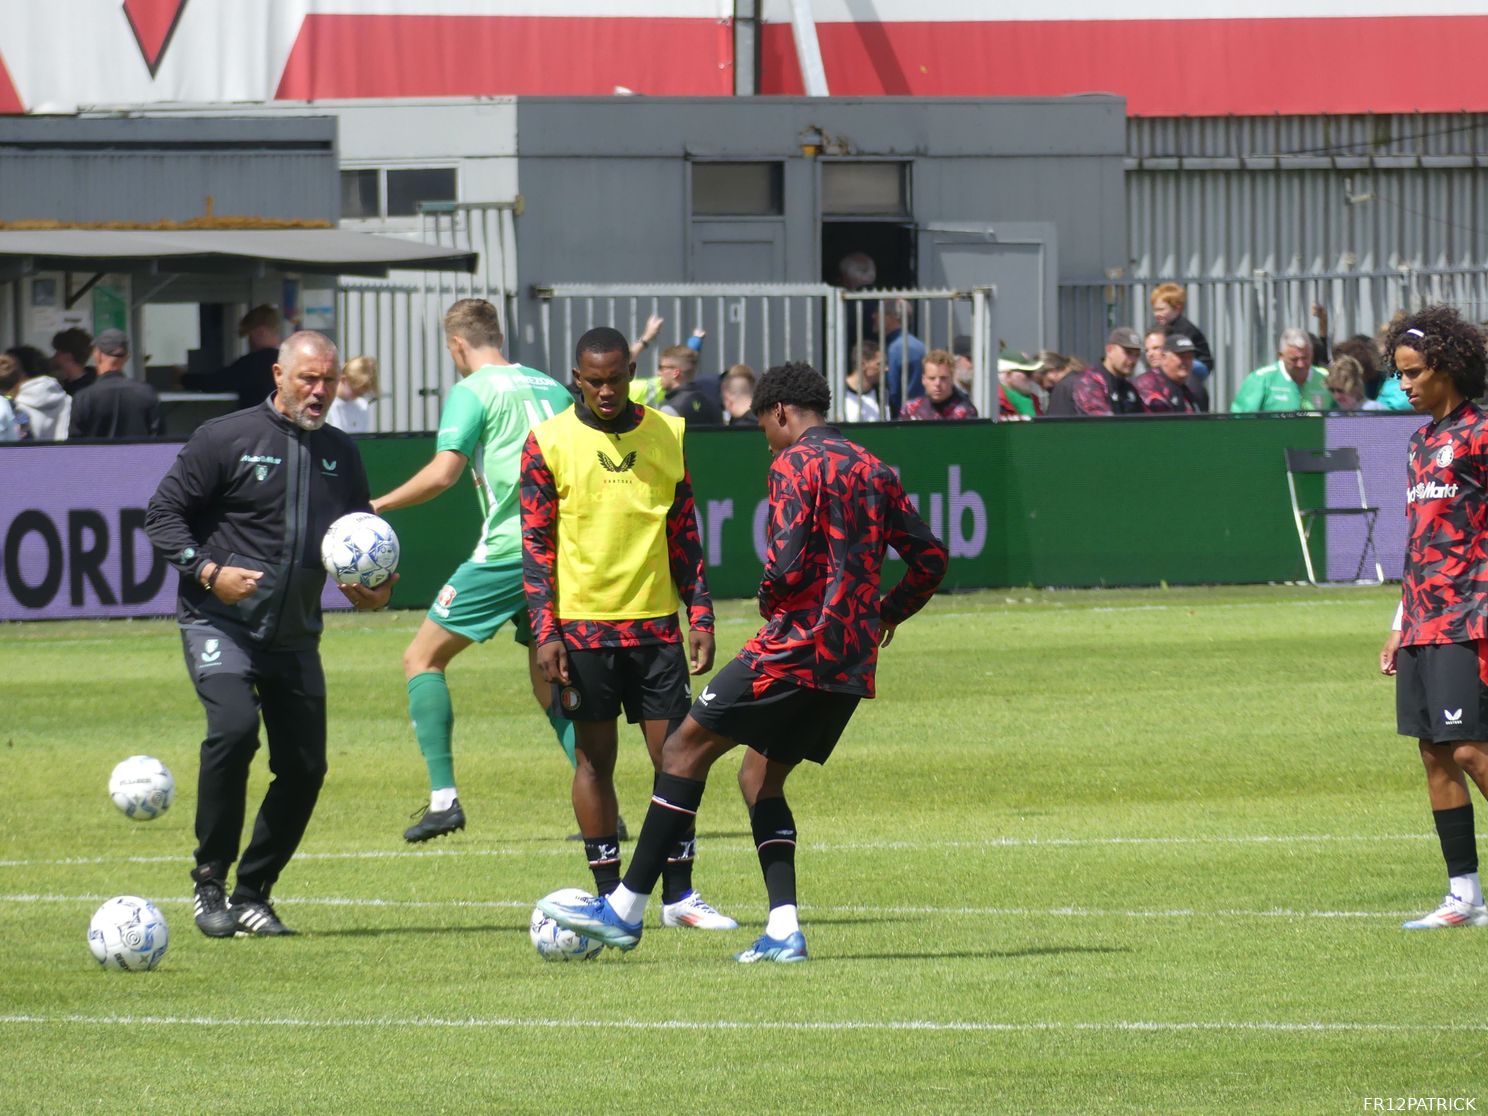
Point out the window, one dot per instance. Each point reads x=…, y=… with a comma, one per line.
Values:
x=738, y=189
x=359, y=194
x=406, y=188
x=371, y=193
x=865, y=189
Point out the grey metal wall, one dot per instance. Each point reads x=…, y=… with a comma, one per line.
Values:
x=1230, y=196
x=135, y=169
x=605, y=180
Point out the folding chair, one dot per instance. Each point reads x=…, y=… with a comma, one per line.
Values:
x=1343, y=460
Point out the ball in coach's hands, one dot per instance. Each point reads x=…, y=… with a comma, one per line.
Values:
x=360, y=549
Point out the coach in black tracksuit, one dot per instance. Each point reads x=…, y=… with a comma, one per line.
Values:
x=241, y=515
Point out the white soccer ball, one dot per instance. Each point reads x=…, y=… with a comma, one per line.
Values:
x=360, y=549
x=128, y=933
x=142, y=787
x=553, y=942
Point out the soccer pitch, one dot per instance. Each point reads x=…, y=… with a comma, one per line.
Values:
x=1089, y=851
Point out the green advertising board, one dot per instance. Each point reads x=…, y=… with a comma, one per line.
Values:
x=1077, y=503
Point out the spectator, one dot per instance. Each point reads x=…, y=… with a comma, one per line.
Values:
x=860, y=394
x=737, y=390
x=855, y=271
x=904, y=354
x=1052, y=367
x=965, y=370
x=1152, y=348
x=1378, y=387
x=1105, y=389
x=1168, y=303
x=42, y=406
x=352, y=409
x=1166, y=391
x=1346, y=384
x=10, y=430
x=252, y=375
x=1290, y=384
x=942, y=399
x=70, y=351
x=1017, y=391
x=676, y=371
x=115, y=406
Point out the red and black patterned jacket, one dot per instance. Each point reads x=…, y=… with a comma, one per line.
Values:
x=958, y=406
x=1099, y=391
x=834, y=510
x=1161, y=396
x=539, y=497
x=1446, y=508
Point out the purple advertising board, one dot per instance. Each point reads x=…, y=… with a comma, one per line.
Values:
x=1381, y=440
x=72, y=526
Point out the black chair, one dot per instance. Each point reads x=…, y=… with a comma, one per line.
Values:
x=1342, y=460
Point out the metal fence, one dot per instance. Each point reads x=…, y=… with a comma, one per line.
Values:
x=399, y=321
x=1243, y=316
x=766, y=324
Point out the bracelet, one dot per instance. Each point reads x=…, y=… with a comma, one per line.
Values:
x=212, y=577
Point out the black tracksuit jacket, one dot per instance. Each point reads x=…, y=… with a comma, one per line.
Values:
x=252, y=489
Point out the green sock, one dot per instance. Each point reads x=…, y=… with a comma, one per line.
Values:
x=434, y=724
x=563, y=730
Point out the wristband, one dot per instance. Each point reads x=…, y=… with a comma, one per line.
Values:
x=212, y=578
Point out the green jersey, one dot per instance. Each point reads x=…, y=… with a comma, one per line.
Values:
x=487, y=417
x=1272, y=389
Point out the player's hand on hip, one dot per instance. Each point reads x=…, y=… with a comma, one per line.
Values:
x=1389, y=653
x=886, y=633
x=700, y=646
x=552, y=659
x=369, y=600
x=234, y=583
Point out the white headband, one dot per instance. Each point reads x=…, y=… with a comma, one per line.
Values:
x=1416, y=333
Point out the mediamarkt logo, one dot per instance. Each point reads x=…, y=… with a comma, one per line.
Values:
x=1429, y=490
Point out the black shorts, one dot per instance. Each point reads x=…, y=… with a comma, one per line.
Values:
x=1441, y=691
x=778, y=719
x=650, y=683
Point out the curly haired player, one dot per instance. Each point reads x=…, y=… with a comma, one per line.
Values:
x=1438, y=649
x=834, y=511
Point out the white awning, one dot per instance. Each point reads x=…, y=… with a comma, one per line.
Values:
x=317, y=251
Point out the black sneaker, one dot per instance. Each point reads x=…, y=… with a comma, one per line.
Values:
x=435, y=823
x=620, y=831
x=212, y=916
x=255, y=918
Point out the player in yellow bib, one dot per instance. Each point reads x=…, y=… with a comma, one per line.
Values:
x=611, y=552
x=484, y=424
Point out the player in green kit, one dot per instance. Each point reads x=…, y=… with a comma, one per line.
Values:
x=485, y=422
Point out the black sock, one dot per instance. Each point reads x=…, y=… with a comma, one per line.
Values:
x=676, y=873
x=775, y=841
x=1454, y=828
x=604, y=862
x=673, y=812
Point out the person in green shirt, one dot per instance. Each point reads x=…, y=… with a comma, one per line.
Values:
x=485, y=423
x=1293, y=383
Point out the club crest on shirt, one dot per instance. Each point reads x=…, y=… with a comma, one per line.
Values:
x=1443, y=457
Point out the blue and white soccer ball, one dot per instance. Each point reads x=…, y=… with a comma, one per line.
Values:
x=360, y=549
x=142, y=787
x=128, y=933
x=553, y=942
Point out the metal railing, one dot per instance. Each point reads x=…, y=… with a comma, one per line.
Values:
x=1243, y=315
x=400, y=320
x=767, y=324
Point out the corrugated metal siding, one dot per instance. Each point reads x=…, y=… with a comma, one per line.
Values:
x=1234, y=196
x=163, y=186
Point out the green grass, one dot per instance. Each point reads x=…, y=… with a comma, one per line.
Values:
x=1088, y=852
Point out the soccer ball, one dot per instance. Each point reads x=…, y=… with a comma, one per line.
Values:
x=553, y=942
x=142, y=787
x=360, y=549
x=128, y=933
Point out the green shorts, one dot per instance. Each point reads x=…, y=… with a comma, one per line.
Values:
x=481, y=596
